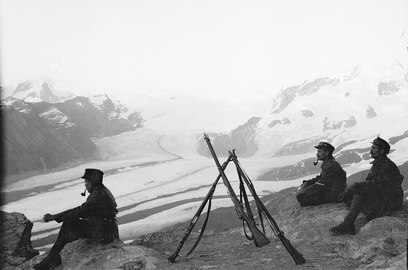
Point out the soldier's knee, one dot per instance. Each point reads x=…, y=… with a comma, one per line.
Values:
x=303, y=199
x=307, y=200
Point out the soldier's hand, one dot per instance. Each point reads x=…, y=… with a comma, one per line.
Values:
x=341, y=196
x=48, y=217
x=303, y=184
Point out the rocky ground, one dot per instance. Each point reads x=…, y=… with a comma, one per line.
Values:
x=231, y=250
x=378, y=244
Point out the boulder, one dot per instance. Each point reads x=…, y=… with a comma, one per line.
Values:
x=16, y=240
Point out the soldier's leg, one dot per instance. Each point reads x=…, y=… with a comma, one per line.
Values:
x=355, y=208
x=70, y=231
x=307, y=200
x=311, y=195
x=347, y=226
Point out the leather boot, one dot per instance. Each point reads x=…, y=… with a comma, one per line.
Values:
x=347, y=226
x=343, y=228
x=49, y=262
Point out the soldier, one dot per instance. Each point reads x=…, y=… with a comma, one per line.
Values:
x=379, y=194
x=95, y=219
x=326, y=187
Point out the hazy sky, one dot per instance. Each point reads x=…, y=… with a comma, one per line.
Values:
x=203, y=47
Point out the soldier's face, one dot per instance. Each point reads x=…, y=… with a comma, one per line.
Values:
x=375, y=151
x=88, y=185
x=321, y=154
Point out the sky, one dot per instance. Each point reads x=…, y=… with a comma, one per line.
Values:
x=203, y=48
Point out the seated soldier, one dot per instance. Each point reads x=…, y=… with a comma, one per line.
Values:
x=94, y=219
x=327, y=186
x=379, y=194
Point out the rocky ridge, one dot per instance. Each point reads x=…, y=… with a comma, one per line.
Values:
x=42, y=89
x=241, y=138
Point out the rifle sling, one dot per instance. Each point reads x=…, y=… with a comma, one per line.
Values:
x=243, y=192
x=203, y=227
x=245, y=205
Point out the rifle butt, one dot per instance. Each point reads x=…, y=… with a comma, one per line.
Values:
x=260, y=239
x=296, y=255
x=172, y=258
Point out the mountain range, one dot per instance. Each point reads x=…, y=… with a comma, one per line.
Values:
x=347, y=110
x=42, y=132
x=43, y=89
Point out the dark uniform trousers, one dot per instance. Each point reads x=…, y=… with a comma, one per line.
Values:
x=71, y=231
x=314, y=195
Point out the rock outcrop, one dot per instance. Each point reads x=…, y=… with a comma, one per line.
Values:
x=82, y=254
x=15, y=240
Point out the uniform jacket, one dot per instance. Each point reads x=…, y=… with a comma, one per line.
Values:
x=330, y=183
x=382, y=188
x=99, y=210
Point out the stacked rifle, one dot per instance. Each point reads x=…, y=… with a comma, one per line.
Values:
x=243, y=210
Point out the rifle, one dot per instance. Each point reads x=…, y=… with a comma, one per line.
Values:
x=194, y=220
x=258, y=237
x=297, y=257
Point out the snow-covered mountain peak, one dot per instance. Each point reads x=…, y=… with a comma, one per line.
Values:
x=114, y=109
x=42, y=89
x=397, y=67
x=99, y=100
x=288, y=95
x=54, y=117
x=358, y=107
x=17, y=104
x=8, y=101
x=363, y=71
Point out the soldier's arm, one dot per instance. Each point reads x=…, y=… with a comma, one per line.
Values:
x=94, y=202
x=314, y=180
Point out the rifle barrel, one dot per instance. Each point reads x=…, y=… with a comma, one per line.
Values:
x=259, y=238
x=194, y=220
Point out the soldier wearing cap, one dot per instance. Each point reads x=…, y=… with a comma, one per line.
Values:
x=95, y=219
x=326, y=187
x=378, y=195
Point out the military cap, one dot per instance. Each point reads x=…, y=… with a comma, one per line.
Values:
x=382, y=144
x=94, y=175
x=325, y=146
